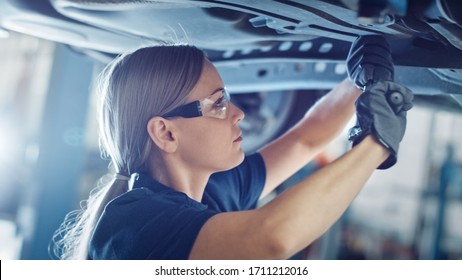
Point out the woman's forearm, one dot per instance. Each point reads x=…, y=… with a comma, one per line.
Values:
x=307, y=210
x=284, y=156
x=329, y=116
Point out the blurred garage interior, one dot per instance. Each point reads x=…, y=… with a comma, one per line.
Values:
x=50, y=160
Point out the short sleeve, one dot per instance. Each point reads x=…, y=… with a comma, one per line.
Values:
x=237, y=189
x=143, y=226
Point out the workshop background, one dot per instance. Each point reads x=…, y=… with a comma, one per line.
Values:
x=50, y=160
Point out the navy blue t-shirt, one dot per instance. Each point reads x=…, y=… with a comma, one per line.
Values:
x=153, y=221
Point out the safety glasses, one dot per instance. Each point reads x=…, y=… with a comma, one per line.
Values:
x=215, y=105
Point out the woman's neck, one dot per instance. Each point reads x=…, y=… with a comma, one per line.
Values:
x=182, y=179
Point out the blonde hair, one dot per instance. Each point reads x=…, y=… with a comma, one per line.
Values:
x=134, y=87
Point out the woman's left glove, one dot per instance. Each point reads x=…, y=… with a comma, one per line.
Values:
x=381, y=112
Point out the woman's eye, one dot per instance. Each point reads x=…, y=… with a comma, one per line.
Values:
x=219, y=102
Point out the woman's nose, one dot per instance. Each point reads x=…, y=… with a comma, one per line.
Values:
x=237, y=114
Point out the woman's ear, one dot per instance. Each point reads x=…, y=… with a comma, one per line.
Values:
x=161, y=132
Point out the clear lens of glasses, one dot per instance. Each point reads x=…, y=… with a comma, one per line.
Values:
x=215, y=105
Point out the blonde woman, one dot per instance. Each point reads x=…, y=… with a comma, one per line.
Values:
x=183, y=187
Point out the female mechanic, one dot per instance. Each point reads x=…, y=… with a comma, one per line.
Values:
x=182, y=187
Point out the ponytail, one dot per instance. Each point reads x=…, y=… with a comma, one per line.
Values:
x=71, y=240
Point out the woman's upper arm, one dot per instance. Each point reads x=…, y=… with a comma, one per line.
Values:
x=235, y=235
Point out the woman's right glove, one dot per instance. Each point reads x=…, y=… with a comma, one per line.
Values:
x=381, y=111
x=369, y=61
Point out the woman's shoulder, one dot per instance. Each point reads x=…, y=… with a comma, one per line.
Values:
x=140, y=224
x=143, y=200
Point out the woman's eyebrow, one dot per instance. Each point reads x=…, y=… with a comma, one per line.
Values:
x=217, y=90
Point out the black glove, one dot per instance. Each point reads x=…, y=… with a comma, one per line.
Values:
x=379, y=114
x=369, y=61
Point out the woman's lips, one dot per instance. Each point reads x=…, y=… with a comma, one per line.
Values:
x=238, y=139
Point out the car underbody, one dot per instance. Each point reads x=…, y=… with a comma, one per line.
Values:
x=265, y=46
